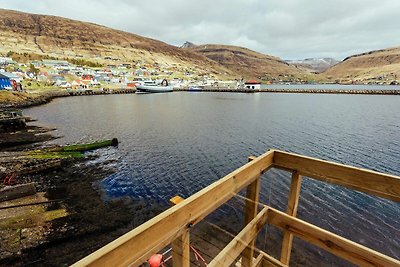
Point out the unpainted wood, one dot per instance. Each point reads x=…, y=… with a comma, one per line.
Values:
x=250, y=212
x=293, y=203
x=337, y=245
x=229, y=254
x=181, y=250
x=136, y=246
x=371, y=182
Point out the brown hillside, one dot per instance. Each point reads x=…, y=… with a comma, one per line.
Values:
x=368, y=65
x=61, y=37
x=250, y=63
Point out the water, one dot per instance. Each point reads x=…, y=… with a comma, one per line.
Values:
x=178, y=143
x=331, y=86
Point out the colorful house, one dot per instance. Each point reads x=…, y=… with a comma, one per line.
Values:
x=5, y=82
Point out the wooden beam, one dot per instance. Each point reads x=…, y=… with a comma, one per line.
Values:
x=268, y=260
x=258, y=262
x=181, y=250
x=371, y=182
x=335, y=244
x=136, y=246
x=250, y=212
x=181, y=245
x=229, y=254
x=293, y=203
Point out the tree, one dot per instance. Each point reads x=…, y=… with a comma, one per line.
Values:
x=33, y=69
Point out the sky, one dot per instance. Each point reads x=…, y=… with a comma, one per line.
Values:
x=289, y=29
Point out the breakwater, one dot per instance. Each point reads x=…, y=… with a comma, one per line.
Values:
x=298, y=91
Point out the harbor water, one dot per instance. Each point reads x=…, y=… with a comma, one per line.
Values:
x=178, y=143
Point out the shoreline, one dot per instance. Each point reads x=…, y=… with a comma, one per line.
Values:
x=73, y=185
x=10, y=100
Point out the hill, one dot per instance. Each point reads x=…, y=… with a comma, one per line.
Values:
x=374, y=65
x=65, y=38
x=60, y=37
x=252, y=64
x=316, y=65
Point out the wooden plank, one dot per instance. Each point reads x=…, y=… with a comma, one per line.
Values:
x=229, y=254
x=258, y=262
x=335, y=244
x=268, y=260
x=181, y=245
x=181, y=250
x=136, y=246
x=250, y=212
x=293, y=203
x=371, y=182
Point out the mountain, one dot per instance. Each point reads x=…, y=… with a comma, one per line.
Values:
x=65, y=38
x=374, y=65
x=187, y=44
x=316, y=65
x=249, y=63
x=60, y=37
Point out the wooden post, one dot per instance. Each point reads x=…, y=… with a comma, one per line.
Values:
x=181, y=250
x=181, y=245
x=250, y=213
x=293, y=203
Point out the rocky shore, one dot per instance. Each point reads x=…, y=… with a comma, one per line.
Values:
x=82, y=219
x=23, y=99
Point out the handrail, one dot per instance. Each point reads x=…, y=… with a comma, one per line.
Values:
x=137, y=245
x=367, y=181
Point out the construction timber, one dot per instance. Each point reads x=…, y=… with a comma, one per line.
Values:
x=172, y=227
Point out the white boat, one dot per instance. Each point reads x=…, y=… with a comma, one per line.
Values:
x=152, y=87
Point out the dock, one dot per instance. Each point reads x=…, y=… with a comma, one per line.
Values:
x=100, y=92
x=295, y=91
x=173, y=227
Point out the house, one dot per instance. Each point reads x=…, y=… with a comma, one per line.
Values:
x=252, y=84
x=87, y=77
x=64, y=84
x=5, y=82
x=13, y=76
x=56, y=79
x=6, y=60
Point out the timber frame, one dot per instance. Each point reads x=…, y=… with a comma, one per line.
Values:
x=172, y=227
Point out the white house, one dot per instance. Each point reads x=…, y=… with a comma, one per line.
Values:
x=252, y=84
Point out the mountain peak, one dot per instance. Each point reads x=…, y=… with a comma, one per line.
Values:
x=187, y=44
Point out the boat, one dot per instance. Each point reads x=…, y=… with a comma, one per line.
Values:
x=195, y=88
x=153, y=87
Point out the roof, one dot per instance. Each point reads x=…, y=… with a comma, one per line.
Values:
x=3, y=76
x=252, y=82
x=10, y=75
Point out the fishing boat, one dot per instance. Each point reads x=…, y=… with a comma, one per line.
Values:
x=153, y=87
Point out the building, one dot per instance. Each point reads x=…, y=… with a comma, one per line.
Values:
x=4, y=82
x=252, y=84
x=6, y=60
x=13, y=76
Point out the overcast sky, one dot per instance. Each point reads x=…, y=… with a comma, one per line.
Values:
x=290, y=29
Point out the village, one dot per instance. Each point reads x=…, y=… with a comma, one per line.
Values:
x=79, y=75
x=39, y=75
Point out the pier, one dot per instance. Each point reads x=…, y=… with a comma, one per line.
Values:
x=172, y=227
x=296, y=91
x=100, y=92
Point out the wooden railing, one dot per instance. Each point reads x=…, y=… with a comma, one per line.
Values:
x=173, y=225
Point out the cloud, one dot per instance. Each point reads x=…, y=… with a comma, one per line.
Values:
x=290, y=29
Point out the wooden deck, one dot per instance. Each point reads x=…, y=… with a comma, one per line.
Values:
x=173, y=226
